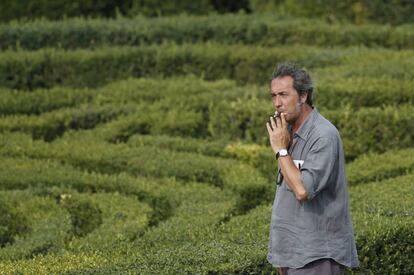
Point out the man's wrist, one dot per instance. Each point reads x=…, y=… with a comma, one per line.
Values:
x=281, y=153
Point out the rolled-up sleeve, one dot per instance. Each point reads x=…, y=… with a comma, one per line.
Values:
x=317, y=167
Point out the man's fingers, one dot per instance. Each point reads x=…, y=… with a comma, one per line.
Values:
x=273, y=122
x=283, y=121
x=269, y=129
x=279, y=120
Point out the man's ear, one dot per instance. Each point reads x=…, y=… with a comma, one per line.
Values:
x=303, y=98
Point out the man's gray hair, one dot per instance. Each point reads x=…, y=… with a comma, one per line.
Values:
x=302, y=82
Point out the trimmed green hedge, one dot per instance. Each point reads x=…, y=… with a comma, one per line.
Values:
x=374, y=129
x=245, y=64
x=40, y=101
x=330, y=94
x=357, y=92
x=51, y=125
x=374, y=167
x=264, y=30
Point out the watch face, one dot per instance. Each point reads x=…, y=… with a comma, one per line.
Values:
x=283, y=152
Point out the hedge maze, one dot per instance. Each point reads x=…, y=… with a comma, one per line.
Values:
x=138, y=146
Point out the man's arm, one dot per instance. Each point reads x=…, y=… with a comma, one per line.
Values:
x=279, y=139
x=293, y=177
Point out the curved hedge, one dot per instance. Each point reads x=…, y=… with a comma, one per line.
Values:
x=47, y=229
x=30, y=173
x=264, y=30
x=122, y=219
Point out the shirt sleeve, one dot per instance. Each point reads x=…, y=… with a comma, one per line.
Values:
x=318, y=166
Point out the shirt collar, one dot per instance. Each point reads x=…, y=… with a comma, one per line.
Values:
x=307, y=125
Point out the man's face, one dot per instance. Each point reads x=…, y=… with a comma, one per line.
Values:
x=286, y=99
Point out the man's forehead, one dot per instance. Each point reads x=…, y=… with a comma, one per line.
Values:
x=281, y=84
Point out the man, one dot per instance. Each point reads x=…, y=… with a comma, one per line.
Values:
x=311, y=230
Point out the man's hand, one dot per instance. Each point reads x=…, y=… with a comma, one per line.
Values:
x=278, y=133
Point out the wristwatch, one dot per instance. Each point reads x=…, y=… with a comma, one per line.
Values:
x=281, y=153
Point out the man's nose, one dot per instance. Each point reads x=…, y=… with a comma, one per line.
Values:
x=277, y=101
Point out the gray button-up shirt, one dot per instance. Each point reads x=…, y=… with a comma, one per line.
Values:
x=319, y=227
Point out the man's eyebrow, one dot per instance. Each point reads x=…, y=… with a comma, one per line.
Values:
x=279, y=92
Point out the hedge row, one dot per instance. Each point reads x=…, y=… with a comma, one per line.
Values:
x=357, y=92
x=331, y=92
x=192, y=93
x=375, y=167
x=40, y=101
x=374, y=129
x=51, y=125
x=263, y=30
x=245, y=64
